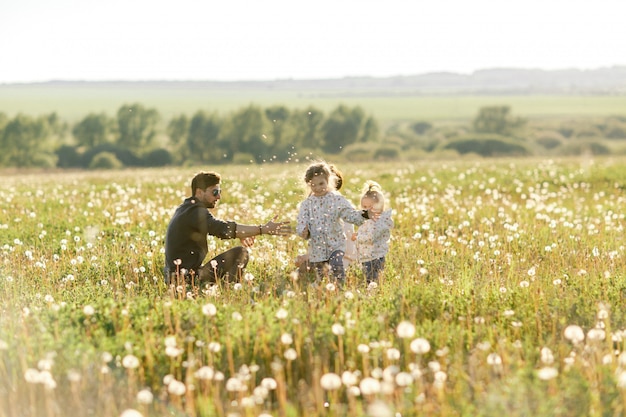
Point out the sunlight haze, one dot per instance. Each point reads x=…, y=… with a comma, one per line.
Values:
x=279, y=39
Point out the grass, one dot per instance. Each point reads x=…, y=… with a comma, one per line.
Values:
x=74, y=103
x=493, y=266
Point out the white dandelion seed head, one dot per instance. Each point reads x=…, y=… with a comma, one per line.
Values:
x=130, y=362
x=269, y=383
x=330, y=381
x=369, y=386
x=574, y=333
x=291, y=354
x=546, y=373
x=209, y=310
x=131, y=412
x=205, y=373
x=338, y=329
x=420, y=346
x=176, y=387
x=405, y=329
x=145, y=397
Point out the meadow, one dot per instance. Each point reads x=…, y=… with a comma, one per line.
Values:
x=503, y=294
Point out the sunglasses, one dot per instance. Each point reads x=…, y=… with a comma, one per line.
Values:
x=216, y=192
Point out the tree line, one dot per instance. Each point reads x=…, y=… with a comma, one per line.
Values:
x=138, y=136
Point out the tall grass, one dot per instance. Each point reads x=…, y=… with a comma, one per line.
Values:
x=503, y=293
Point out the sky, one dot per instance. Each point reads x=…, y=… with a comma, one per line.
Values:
x=230, y=40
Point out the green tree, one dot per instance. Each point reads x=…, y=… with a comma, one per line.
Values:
x=342, y=128
x=203, y=137
x=93, y=130
x=244, y=133
x=137, y=126
x=370, y=131
x=24, y=141
x=278, y=117
x=498, y=120
x=306, y=125
x=177, y=130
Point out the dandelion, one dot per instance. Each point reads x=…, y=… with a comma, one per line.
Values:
x=330, y=287
x=131, y=412
x=338, y=329
x=524, y=284
x=209, y=310
x=363, y=348
x=439, y=379
x=88, y=310
x=145, y=397
x=281, y=314
x=621, y=380
x=546, y=356
x=379, y=408
x=393, y=354
x=494, y=359
x=130, y=362
x=546, y=373
x=349, y=378
x=330, y=381
x=286, y=339
x=176, y=388
x=348, y=295
x=420, y=346
x=237, y=316
x=405, y=329
x=205, y=373
x=215, y=347
x=574, y=334
x=596, y=334
x=404, y=379
x=291, y=354
x=234, y=385
x=269, y=383
x=369, y=386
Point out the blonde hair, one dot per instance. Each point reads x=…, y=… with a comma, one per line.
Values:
x=374, y=191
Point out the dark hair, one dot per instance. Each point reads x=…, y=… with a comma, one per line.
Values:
x=338, y=175
x=203, y=180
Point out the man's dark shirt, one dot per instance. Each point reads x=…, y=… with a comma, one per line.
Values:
x=186, y=237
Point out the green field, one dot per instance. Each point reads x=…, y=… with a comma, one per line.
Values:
x=73, y=103
x=503, y=294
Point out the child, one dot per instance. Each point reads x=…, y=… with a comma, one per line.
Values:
x=302, y=261
x=372, y=238
x=321, y=220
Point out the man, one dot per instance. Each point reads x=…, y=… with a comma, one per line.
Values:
x=186, y=237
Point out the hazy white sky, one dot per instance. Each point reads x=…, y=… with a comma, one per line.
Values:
x=44, y=40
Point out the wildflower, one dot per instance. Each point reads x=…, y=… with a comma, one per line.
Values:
x=176, y=388
x=349, y=378
x=574, y=334
x=369, y=386
x=281, y=314
x=524, y=284
x=546, y=373
x=596, y=334
x=205, y=373
x=286, y=339
x=405, y=329
x=379, y=408
x=131, y=412
x=363, y=348
x=209, y=310
x=234, y=385
x=248, y=277
x=393, y=354
x=348, y=295
x=338, y=329
x=494, y=359
x=546, y=356
x=404, y=379
x=621, y=380
x=330, y=381
x=269, y=383
x=88, y=310
x=237, y=316
x=130, y=362
x=440, y=379
x=145, y=396
x=420, y=346
x=291, y=354
x=215, y=347
x=330, y=287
